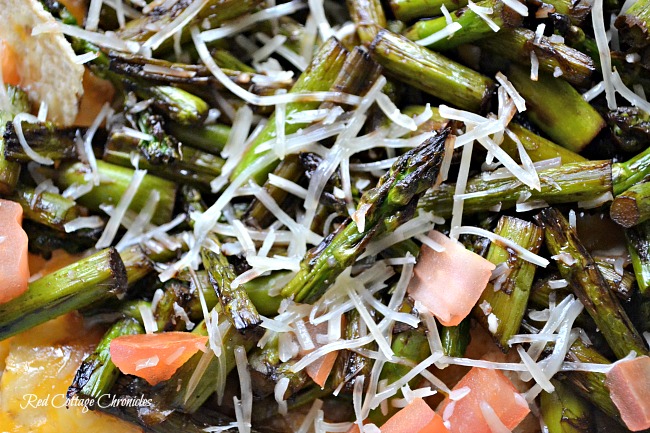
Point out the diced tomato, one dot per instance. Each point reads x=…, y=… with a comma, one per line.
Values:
x=77, y=8
x=9, y=59
x=154, y=357
x=14, y=267
x=416, y=417
x=629, y=386
x=492, y=387
x=320, y=369
x=449, y=283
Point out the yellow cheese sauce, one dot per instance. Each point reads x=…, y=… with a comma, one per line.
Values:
x=37, y=368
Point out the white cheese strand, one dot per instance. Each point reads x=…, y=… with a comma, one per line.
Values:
x=516, y=6
x=125, y=201
x=317, y=9
x=491, y=418
x=461, y=184
x=245, y=386
x=483, y=14
x=522, y=252
x=445, y=32
x=107, y=40
x=251, y=98
x=598, y=22
x=89, y=154
x=94, y=11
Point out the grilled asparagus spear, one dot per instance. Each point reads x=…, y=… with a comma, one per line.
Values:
x=381, y=209
x=589, y=284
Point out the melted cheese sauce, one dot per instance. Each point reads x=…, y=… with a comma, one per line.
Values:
x=38, y=366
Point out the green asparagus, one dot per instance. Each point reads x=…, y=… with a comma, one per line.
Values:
x=386, y=206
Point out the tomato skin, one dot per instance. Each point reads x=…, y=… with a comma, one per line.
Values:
x=417, y=417
x=14, y=264
x=492, y=387
x=77, y=8
x=450, y=282
x=629, y=388
x=155, y=357
x=9, y=59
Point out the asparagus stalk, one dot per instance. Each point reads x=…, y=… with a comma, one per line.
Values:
x=319, y=76
x=226, y=60
x=381, y=209
x=216, y=12
x=110, y=191
x=44, y=240
x=162, y=148
x=138, y=70
x=259, y=288
x=473, y=27
x=434, y=123
x=350, y=365
x=589, y=285
x=9, y=171
x=158, y=418
x=638, y=245
x=631, y=127
x=188, y=395
x=518, y=44
x=235, y=303
x=565, y=184
x=431, y=72
x=266, y=411
x=177, y=104
x=355, y=77
x=577, y=11
x=94, y=279
x=208, y=138
x=565, y=412
x=632, y=207
x=640, y=312
x=267, y=370
x=257, y=215
x=138, y=265
x=538, y=148
x=409, y=10
x=192, y=166
x=368, y=15
x=621, y=285
x=627, y=174
x=184, y=295
x=557, y=109
x=508, y=302
x=97, y=373
x=46, y=139
x=591, y=386
x=455, y=339
x=411, y=345
x=47, y=208
x=234, y=300
x=633, y=24
x=127, y=309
